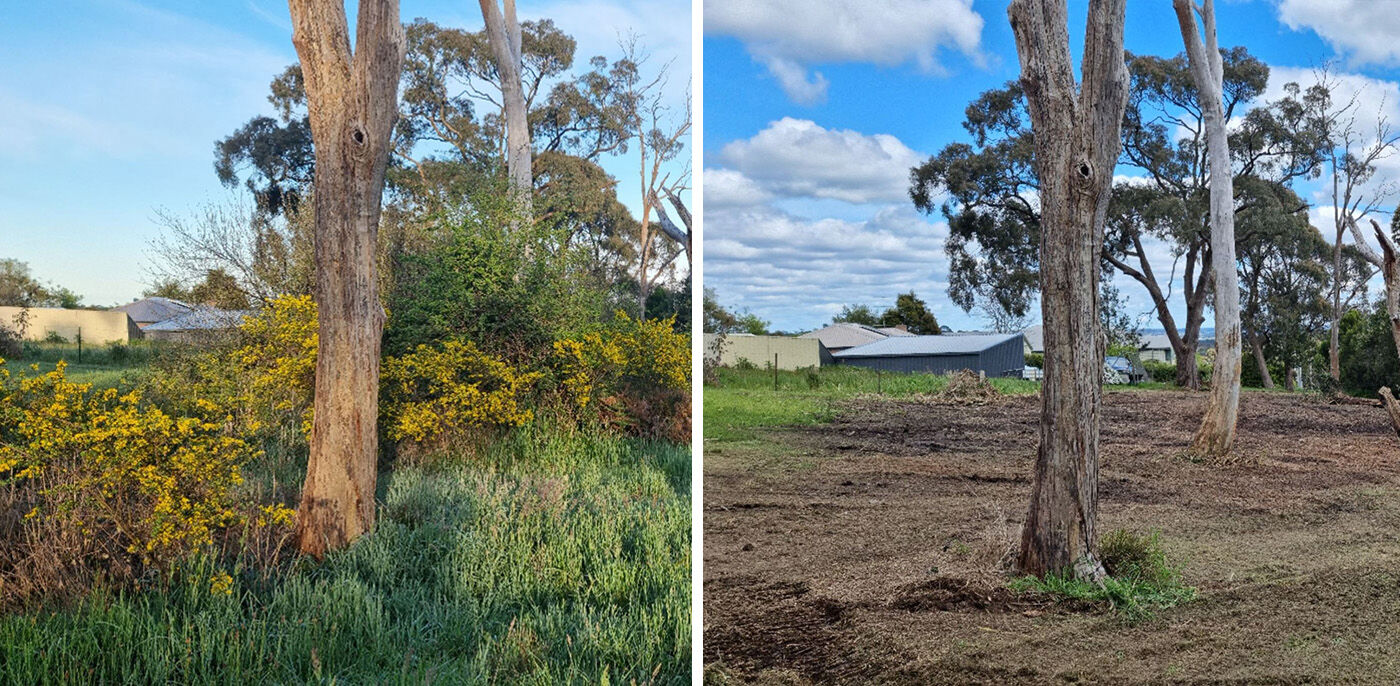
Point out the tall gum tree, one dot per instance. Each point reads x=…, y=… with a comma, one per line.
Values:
x=1077, y=137
x=1217, y=432
x=503, y=33
x=352, y=98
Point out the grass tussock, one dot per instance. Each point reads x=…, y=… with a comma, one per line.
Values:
x=1140, y=582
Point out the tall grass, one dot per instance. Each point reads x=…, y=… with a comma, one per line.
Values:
x=554, y=557
x=137, y=353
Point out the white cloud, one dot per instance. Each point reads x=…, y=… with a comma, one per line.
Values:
x=1363, y=29
x=788, y=36
x=799, y=158
x=729, y=188
x=797, y=272
x=1373, y=102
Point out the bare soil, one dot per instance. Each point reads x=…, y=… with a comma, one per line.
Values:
x=874, y=549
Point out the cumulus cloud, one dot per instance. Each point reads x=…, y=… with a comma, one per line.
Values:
x=789, y=36
x=1363, y=29
x=799, y=158
x=798, y=272
x=729, y=188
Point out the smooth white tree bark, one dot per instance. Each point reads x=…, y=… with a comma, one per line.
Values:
x=1217, y=433
x=503, y=32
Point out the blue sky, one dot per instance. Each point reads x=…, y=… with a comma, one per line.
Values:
x=109, y=110
x=814, y=112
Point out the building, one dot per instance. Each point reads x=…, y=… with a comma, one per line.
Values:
x=990, y=354
x=843, y=335
x=148, y=311
x=760, y=351
x=97, y=327
x=1158, y=347
x=196, y=322
x=1035, y=339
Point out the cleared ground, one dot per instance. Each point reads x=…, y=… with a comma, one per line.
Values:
x=871, y=549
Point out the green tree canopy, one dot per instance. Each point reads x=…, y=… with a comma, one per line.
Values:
x=913, y=313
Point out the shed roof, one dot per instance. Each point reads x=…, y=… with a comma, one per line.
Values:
x=899, y=346
x=1035, y=337
x=846, y=335
x=154, y=309
x=202, y=319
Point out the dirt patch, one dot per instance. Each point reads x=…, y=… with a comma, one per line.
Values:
x=949, y=594
x=896, y=531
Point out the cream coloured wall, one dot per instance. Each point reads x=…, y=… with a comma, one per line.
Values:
x=98, y=326
x=793, y=353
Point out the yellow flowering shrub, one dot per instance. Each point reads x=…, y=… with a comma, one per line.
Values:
x=278, y=356
x=633, y=374
x=258, y=383
x=125, y=477
x=444, y=390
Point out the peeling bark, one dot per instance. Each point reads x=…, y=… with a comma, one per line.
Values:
x=1077, y=138
x=1392, y=408
x=353, y=102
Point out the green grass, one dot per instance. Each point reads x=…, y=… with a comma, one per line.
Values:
x=552, y=558
x=842, y=381
x=1141, y=580
x=744, y=401
x=106, y=366
x=100, y=376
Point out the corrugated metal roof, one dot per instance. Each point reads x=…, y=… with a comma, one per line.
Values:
x=845, y=335
x=896, y=346
x=202, y=319
x=1035, y=336
x=154, y=309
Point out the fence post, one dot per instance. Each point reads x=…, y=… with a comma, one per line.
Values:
x=879, y=381
x=80, y=345
x=775, y=371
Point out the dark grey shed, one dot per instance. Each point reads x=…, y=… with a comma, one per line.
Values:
x=994, y=354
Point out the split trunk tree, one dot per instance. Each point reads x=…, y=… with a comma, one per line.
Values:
x=1077, y=137
x=1388, y=261
x=353, y=101
x=1217, y=432
x=503, y=32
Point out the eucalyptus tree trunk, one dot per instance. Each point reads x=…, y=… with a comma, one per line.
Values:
x=1217, y=433
x=1388, y=261
x=353, y=102
x=1258, y=347
x=503, y=32
x=1077, y=129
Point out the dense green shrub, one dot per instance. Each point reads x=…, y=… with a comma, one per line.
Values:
x=1036, y=360
x=1367, y=351
x=1159, y=371
x=511, y=292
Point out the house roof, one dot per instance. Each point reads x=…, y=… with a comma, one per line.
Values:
x=1035, y=336
x=899, y=346
x=893, y=331
x=846, y=335
x=1156, y=341
x=154, y=309
x=202, y=319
